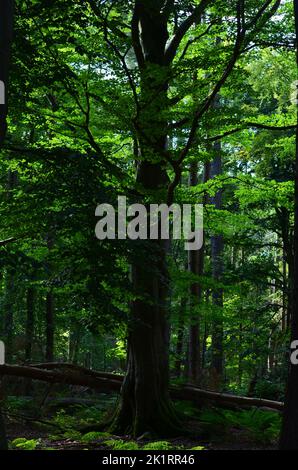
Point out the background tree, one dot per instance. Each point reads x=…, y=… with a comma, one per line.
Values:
x=289, y=435
x=6, y=28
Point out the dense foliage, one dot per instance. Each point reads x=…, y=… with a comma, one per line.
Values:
x=212, y=122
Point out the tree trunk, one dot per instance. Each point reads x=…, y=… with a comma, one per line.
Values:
x=3, y=440
x=8, y=312
x=284, y=217
x=6, y=30
x=50, y=327
x=145, y=402
x=207, y=176
x=29, y=324
x=217, y=271
x=74, y=343
x=289, y=434
x=195, y=266
x=180, y=338
x=284, y=321
x=29, y=335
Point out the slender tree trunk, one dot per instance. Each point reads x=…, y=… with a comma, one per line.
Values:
x=180, y=338
x=195, y=261
x=284, y=320
x=196, y=266
x=29, y=324
x=50, y=327
x=3, y=440
x=283, y=215
x=207, y=176
x=291, y=288
x=29, y=335
x=74, y=343
x=8, y=318
x=240, y=365
x=217, y=247
x=49, y=307
x=6, y=31
x=206, y=334
x=289, y=434
x=12, y=179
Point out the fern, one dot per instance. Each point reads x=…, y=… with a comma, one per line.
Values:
x=159, y=445
x=119, y=444
x=94, y=436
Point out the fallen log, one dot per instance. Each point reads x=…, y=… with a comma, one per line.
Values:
x=195, y=394
x=63, y=377
x=102, y=381
x=75, y=367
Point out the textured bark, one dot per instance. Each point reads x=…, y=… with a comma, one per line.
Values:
x=289, y=434
x=145, y=403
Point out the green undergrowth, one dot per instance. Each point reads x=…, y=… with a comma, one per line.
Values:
x=21, y=443
x=109, y=444
x=260, y=427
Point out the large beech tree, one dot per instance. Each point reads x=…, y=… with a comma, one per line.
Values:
x=145, y=404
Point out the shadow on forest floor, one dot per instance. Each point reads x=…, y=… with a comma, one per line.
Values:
x=55, y=427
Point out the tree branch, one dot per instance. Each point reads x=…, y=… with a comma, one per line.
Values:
x=261, y=11
x=247, y=125
x=8, y=241
x=135, y=34
x=240, y=38
x=183, y=28
x=197, y=38
x=209, y=100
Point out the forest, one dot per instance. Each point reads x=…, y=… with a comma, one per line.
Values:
x=128, y=341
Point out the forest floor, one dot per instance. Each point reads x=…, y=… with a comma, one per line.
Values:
x=238, y=440
x=59, y=427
